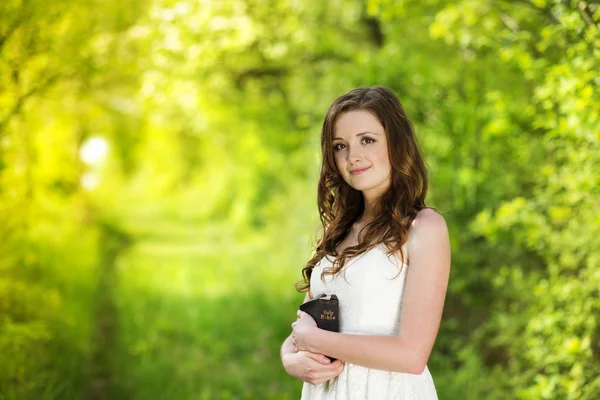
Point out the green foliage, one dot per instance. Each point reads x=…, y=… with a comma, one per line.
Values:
x=166, y=268
x=530, y=190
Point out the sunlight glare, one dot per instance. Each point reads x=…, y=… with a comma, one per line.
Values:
x=93, y=151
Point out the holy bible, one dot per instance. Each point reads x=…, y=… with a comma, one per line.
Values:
x=325, y=310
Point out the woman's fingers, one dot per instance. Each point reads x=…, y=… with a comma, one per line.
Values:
x=327, y=374
x=294, y=342
x=322, y=373
x=319, y=358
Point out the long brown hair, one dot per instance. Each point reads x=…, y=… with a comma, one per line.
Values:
x=340, y=205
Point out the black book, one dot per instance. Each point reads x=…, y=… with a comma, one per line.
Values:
x=325, y=310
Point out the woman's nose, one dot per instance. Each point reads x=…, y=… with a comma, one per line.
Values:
x=354, y=155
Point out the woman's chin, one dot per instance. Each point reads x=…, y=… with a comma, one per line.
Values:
x=359, y=187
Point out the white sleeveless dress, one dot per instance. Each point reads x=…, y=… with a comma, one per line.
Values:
x=370, y=304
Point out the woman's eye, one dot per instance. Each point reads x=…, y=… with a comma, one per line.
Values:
x=337, y=146
x=368, y=138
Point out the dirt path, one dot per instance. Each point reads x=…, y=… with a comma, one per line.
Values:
x=100, y=385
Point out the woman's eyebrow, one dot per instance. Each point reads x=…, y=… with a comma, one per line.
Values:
x=358, y=134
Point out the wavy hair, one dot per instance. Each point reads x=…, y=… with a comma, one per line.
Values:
x=340, y=205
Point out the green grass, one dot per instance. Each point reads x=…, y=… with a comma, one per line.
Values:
x=200, y=318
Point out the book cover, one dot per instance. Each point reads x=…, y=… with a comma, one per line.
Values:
x=325, y=310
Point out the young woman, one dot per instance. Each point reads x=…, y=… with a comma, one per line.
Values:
x=384, y=253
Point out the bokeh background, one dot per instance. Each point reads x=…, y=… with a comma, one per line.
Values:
x=158, y=170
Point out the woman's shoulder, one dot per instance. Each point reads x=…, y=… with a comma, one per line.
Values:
x=428, y=225
x=428, y=218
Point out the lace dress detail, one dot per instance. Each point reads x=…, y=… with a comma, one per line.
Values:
x=370, y=294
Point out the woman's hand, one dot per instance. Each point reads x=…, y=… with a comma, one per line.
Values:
x=304, y=327
x=307, y=366
x=311, y=367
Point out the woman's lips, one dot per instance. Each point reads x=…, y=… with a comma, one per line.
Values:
x=359, y=171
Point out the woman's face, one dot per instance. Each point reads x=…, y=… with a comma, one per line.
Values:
x=359, y=141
